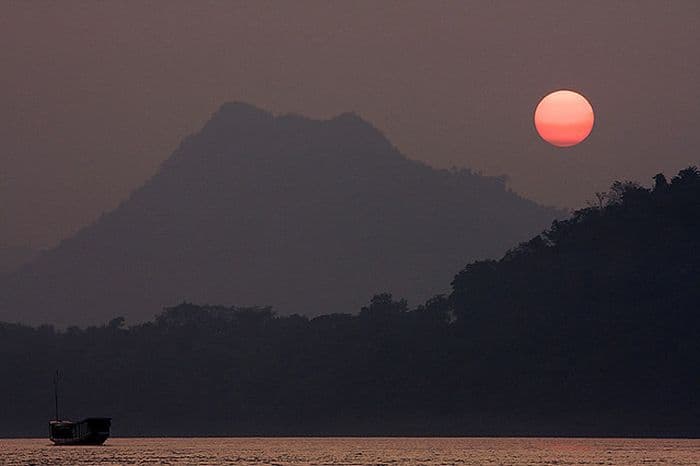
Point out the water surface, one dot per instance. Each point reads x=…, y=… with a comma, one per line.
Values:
x=355, y=451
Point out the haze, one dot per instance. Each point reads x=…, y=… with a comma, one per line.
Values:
x=93, y=97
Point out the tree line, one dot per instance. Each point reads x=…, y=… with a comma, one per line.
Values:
x=590, y=328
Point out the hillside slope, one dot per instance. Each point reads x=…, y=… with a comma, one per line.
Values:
x=305, y=215
x=590, y=329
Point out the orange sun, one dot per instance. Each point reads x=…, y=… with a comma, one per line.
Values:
x=564, y=118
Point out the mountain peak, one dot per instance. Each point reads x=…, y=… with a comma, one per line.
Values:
x=350, y=117
x=354, y=121
x=241, y=109
x=239, y=114
x=242, y=114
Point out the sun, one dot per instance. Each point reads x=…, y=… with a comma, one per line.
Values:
x=564, y=118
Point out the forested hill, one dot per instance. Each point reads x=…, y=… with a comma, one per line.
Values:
x=601, y=313
x=309, y=216
x=629, y=264
x=591, y=328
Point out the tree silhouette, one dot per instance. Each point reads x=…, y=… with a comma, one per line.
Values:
x=589, y=328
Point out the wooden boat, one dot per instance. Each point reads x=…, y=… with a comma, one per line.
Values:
x=89, y=431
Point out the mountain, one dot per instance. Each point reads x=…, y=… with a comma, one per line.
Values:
x=12, y=257
x=308, y=216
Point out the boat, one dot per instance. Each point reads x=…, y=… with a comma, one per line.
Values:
x=89, y=431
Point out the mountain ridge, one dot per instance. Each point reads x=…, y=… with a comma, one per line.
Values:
x=305, y=215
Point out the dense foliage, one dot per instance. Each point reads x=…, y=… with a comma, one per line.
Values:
x=590, y=328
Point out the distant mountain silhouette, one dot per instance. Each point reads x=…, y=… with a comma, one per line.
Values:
x=305, y=215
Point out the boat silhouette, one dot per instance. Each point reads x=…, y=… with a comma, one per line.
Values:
x=89, y=431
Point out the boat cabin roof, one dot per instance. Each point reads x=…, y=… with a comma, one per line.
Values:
x=87, y=419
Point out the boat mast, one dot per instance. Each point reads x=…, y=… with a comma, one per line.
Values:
x=55, y=391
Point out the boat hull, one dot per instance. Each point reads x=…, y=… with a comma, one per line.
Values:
x=91, y=431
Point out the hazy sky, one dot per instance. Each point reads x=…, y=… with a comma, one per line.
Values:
x=93, y=96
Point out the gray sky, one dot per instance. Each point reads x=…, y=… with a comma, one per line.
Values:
x=93, y=96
